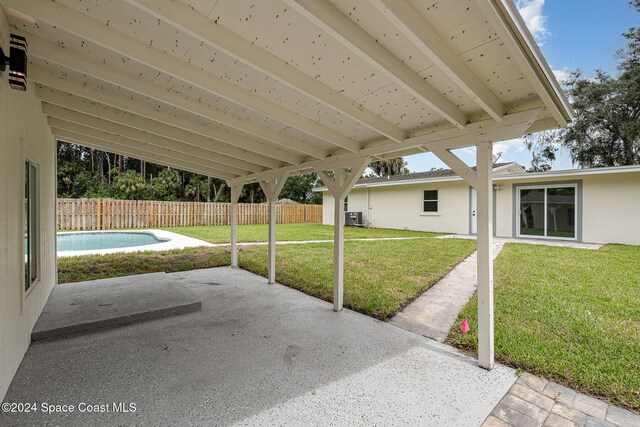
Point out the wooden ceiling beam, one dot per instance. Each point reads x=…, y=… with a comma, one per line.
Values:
x=156, y=156
x=94, y=31
x=533, y=65
x=207, y=128
x=152, y=127
x=201, y=27
x=70, y=60
x=410, y=23
x=327, y=17
x=511, y=126
x=135, y=134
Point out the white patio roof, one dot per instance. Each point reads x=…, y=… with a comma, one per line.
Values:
x=256, y=90
x=244, y=90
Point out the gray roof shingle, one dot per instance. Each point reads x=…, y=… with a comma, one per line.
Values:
x=417, y=175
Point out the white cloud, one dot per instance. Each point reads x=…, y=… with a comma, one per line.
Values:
x=531, y=11
x=510, y=146
x=562, y=75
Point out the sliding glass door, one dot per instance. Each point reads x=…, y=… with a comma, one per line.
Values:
x=547, y=211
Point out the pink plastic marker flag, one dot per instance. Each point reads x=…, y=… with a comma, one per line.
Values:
x=465, y=326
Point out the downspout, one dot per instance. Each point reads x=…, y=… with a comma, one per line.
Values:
x=368, y=207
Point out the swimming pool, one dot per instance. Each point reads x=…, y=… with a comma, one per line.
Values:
x=104, y=240
x=75, y=243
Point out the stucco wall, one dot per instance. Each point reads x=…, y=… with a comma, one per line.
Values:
x=610, y=206
x=24, y=133
x=609, y=214
x=357, y=202
x=400, y=207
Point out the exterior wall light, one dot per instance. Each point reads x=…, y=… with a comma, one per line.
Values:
x=17, y=62
x=497, y=187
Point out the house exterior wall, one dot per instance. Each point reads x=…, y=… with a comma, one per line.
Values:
x=400, y=207
x=608, y=206
x=609, y=211
x=24, y=133
x=357, y=202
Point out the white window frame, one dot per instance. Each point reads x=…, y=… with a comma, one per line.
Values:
x=545, y=187
x=35, y=252
x=422, y=200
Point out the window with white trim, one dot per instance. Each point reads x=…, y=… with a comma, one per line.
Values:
x=31, y=249
x=430, y=201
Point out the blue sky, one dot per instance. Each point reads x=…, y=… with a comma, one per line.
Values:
x=572, y=34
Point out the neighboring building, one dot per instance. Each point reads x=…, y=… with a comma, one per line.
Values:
x=599, y=205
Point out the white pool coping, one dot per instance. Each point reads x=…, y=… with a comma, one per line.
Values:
x=173, y=241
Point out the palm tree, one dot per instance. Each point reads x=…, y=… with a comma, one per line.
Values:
x=196, y=187
x=390, y=167
x=130, y=183
x=170, y=179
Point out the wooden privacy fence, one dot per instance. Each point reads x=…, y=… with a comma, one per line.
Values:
x=105, y=214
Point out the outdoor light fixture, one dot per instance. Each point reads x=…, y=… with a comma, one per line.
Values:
x=497, y=187
x=17, y=61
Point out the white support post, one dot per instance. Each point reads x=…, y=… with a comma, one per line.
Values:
x=338, y=244
x=485, y=254
x=233, y=220
x=271, y=189
x=339, y=188
x=272, y=242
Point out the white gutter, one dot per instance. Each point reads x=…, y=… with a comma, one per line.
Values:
x=507, y=177
x=570, y=173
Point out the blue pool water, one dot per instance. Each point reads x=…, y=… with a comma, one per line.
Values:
x=95, y=241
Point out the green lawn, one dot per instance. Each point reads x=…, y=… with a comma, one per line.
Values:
x=380, y=277
x=289, y=232
x=92, y=267
x=570, y=315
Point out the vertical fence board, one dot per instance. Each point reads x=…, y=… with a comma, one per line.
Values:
x=106, y=214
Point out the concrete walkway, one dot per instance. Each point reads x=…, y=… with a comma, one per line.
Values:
x=433, y=313
x=544, y=242
x=300, y=242
x=256, y=354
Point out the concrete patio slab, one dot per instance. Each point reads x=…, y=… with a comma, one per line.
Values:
x=88, y=306
x=257, y=354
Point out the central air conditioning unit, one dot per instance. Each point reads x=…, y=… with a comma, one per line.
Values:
x=353, y=219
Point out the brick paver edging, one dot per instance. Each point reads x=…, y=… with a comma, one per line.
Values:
x=533, y=401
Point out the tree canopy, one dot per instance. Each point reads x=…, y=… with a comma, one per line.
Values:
x=86, y=172
x=389, y=167
x=606, y=129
